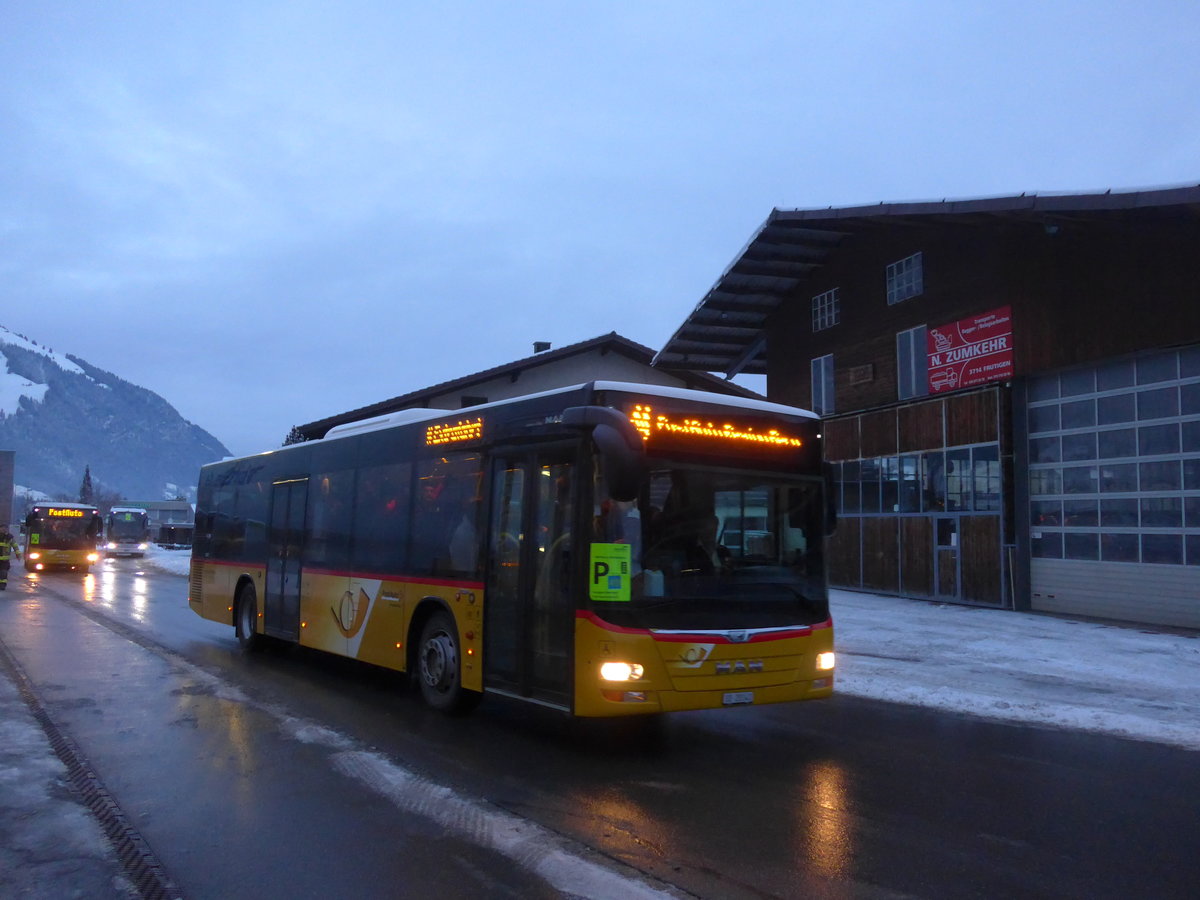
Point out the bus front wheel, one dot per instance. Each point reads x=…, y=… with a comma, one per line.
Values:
x=438, y=665
x=246, y=619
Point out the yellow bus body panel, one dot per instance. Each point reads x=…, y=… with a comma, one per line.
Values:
x=363, y=618
x=682, y=673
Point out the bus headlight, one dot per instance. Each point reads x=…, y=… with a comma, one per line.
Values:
x=34, y=555
x=143, y=546
x=111, y=546
x=620, y=671
x=93, y=557
x=825, y=661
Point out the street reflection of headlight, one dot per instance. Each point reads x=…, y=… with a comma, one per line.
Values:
x=825, y=660
x=620, y=671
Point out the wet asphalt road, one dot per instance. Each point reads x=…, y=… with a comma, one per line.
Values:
x=292, y=774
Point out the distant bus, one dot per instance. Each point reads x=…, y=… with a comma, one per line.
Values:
x=62, y=536
x=556, y=548
x=126, y=531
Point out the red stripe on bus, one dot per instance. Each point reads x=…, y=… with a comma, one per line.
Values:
x=707, y=636
x=367, y=576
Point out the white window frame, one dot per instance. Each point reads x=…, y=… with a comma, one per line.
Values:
x=822, y=385
x=826, y=310
x=912, y=363
x=905, y=278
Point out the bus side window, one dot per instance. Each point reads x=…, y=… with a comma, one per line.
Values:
x=445, y=488
x=329, y=516
x=381, y=521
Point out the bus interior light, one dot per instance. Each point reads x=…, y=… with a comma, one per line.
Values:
x=825, y=660
x=620, y=671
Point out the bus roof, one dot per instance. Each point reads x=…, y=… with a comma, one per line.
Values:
x=421, y=414
x=406, y=416
x=662, y=390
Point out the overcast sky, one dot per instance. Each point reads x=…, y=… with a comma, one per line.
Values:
x=269, y=213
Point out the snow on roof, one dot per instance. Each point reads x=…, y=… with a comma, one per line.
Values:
x=662, y=390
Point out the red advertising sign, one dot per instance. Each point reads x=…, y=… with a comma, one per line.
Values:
x=971, y=351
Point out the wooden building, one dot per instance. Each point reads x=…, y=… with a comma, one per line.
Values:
x=1011, y=391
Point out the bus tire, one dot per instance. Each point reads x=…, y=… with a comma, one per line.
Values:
x=439, y=666
x=245, y=618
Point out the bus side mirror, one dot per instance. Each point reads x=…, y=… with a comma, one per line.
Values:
x=622, y=459
x=623, y=468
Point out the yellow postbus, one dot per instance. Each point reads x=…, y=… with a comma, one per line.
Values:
x=62, y=536
x=561, y=548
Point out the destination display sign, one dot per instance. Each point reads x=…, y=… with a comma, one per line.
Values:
x=732, y=436
x=707, y=428
x=971, y=351
x=65, y=513
x=454, y=432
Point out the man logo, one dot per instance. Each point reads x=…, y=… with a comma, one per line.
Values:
x=739, y=667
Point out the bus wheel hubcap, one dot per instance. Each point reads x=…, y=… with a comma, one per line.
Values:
x=438, y=662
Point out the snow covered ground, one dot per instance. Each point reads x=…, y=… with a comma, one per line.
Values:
x=1134, y=682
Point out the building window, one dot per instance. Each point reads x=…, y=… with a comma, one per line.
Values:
x=822, y=385
x=905, y=279
x=826, y=310
x=912, y=364
x=1114, y=451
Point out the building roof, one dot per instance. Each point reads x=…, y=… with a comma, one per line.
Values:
x=608, y=343
x=725, y=332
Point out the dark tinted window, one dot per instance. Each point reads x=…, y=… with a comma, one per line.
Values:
x=1079, y=414
x=1119, y=513
x=1119, y=547
x=1081, y=546
x=1162, y=548
x=445, y=504
x=330, y=515
x=383, y=496
x=1121, y=442
x=1114, y=409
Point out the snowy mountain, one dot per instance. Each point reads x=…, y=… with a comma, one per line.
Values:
x=61, y=414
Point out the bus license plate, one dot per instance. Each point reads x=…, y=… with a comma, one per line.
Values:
x=735, y=698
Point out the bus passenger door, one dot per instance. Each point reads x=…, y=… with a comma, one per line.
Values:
x=529, y=612
x=281, y=605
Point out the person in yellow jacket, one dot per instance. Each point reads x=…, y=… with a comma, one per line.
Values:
x=8, y=549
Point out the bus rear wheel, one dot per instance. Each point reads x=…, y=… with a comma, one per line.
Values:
x=246, y=619
x=438, y=667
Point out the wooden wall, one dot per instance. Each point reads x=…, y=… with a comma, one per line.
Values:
x=1080, y=291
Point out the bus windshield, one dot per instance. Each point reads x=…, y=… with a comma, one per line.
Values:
x=126, y=527
x=66, y=534
x=716, y=549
